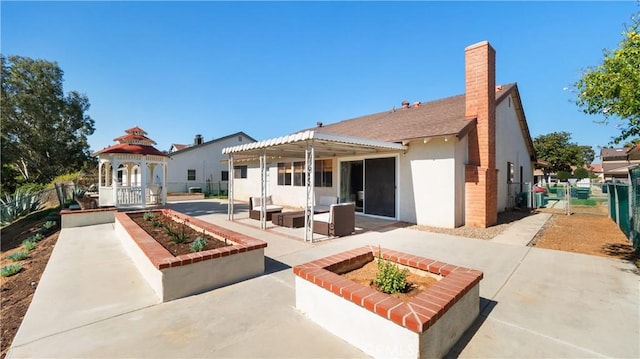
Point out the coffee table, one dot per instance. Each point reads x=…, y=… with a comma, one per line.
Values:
x=289, y=219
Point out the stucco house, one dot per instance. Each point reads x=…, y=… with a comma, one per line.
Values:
x=447, y=163
x=616, y=162
x=200, y=165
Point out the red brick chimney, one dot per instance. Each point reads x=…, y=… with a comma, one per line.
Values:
x=481, y=207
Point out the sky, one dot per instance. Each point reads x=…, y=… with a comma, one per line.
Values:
x=177, y=69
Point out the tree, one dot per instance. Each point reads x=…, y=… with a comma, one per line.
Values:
x=588, y=154
x=632, y=142
x=612, y=89
x=44, y=131
x=581, y=173
x=556, y=149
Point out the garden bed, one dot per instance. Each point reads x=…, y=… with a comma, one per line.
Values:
x=175, y=276
x=427, y=324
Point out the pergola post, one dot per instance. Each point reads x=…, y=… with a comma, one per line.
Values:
x=263, y=190
x=164, y=182
x=309, y=166
x=230, y=188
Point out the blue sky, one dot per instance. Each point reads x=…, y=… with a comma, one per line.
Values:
x=177, y=69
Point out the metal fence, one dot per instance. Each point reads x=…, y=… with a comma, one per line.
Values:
x=208, y=188
x=634, y=197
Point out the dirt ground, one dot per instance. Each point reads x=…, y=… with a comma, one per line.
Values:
x=17, y=291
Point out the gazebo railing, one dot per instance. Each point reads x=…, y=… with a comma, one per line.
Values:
x=129, y=195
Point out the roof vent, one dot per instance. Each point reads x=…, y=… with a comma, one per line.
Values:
x=416, y=104
x=319, y=123
x=405, y=104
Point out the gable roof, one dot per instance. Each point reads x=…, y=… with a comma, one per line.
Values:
x=192, y=147
x=444, y=117
x=178, y=146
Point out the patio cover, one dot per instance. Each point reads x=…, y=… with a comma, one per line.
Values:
x=307, y=145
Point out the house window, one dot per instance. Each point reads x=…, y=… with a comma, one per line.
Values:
x=298, y=174
x=284, y=174
x=510, y=172
x=224, y=176
x=239, y=138
x=323, y=173
x=239, y=171
x=191, y=175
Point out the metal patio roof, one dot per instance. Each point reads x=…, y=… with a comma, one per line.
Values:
x=324, y=144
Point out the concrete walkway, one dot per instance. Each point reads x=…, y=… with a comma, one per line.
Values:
x=92, y=302
x=522, y=232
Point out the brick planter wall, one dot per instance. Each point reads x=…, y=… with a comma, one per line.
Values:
x=427, y=325
x=173, y=277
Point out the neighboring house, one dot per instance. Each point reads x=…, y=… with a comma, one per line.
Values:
x=616, y=161
x=445, y=163
x=200, y=166
x=596, y=169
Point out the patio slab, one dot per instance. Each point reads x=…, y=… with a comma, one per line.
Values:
x=535, y=302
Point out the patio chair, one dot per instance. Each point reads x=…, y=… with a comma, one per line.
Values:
x=339, y=221
x=254, y=207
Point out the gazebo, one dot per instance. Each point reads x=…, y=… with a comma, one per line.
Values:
x=132, y=172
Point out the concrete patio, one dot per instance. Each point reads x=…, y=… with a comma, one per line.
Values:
x=92, y=302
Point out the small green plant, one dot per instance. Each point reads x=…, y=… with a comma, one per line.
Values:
x=177, y=231
x=18, y=256
x=198, y=244
x=29, y=244
x=49, y=224
x=11, y=269
x=390, y=279
x=36, y=237
x=148, y=216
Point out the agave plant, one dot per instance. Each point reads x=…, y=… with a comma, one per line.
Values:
x=19, y=204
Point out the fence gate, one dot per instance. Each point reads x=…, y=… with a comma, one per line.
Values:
x=634, y=235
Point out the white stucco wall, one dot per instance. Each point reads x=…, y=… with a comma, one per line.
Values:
x=206, y=159
x=510, y=147
x=428, y=177
x=291, y=196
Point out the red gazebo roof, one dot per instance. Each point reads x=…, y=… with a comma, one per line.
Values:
x=133, y=142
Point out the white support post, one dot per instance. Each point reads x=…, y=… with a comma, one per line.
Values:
x=309, y=166
x=230, y=188
x=263, y=190
x=143, y=182
x=114, y=181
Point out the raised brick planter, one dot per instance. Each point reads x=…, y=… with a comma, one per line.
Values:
x=87, y=217
x=173, y=277
x=427, y=326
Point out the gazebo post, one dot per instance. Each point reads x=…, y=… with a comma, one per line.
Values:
x=114, y=181
x=143, y=182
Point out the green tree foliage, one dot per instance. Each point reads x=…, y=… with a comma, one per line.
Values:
x=581, y=173
x=44, y=131
x=563, y=175
x=612, y=89
x=557, y=149
x=632, y=142
x=588, y=154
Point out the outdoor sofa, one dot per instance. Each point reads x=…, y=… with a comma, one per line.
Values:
x=254, y=207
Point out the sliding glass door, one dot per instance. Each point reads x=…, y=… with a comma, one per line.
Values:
x=370, y=184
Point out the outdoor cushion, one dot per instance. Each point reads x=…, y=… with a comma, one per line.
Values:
x=323, y=217
x=324, y=204
x=255, y=201
x=269, y=208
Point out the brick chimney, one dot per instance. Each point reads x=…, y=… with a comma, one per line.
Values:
x=481, y=187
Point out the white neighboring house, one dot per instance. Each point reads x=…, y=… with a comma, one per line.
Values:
x=199, y=166
x=447, y=163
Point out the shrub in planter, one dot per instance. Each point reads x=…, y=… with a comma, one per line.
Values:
x=29, y=244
